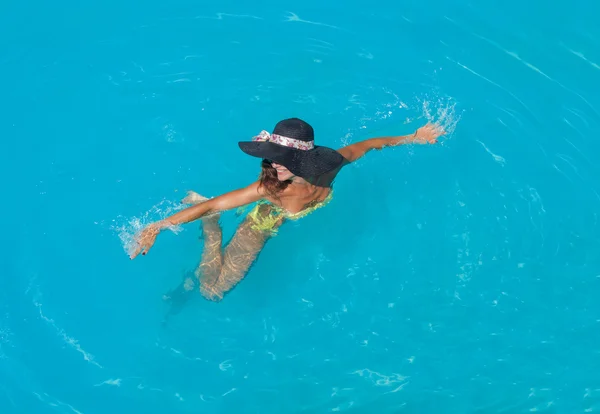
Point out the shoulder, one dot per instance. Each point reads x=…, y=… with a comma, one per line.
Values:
x=253, y=191
x=346, y=152
x=354, y=151
x=273, y=198
x=256, y=187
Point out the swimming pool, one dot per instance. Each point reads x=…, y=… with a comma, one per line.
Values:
x=456, y=278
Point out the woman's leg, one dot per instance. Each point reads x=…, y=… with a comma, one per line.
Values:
x=211, y=262
x=239, y=255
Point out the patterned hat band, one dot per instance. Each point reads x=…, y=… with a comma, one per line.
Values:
x=265, y=136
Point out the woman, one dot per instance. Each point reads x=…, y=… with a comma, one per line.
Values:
x=296, y=179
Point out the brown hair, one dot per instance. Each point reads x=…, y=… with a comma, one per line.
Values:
x=269, y=181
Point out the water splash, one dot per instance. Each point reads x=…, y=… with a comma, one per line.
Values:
x=441, y=112
x=127, y=228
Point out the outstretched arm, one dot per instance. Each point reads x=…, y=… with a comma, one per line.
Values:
x=227, y=201
x=427, y=134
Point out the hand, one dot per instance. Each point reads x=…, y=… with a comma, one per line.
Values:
x=428, y=134
x=145, y=239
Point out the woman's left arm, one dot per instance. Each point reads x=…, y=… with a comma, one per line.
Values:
x=427, y=134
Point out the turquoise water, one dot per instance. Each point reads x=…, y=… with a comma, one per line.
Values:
x=460, y=278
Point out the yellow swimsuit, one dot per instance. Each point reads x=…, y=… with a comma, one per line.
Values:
x=270, y=222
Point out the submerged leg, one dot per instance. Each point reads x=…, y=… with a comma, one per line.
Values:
x=211, y=262
x=179, y=296
x=212, y=259
x=240, y=253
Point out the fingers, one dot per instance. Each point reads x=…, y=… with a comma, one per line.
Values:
x=147, y=248
x=141, y=245
x=144, y=240
x=434, y=127
x=438, y=129
x=135, y=252
x=142, y=248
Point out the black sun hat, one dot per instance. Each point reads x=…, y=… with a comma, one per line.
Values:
x=292, y=144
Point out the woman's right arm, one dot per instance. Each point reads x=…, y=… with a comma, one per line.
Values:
x=227, y=201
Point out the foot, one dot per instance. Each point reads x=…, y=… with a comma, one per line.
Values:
x=193, y=197
x=188, y=284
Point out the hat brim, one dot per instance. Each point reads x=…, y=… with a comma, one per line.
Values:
x=303, y=163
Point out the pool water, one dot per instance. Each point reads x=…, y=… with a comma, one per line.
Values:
x=457, y=278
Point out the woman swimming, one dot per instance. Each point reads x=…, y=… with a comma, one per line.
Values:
x=296, y=179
